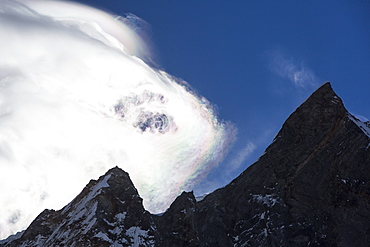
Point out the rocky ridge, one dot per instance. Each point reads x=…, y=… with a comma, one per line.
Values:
x=311, y=187
x=108, y=212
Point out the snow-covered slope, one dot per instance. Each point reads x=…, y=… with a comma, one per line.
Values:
x=108, y=212
x=364, y=126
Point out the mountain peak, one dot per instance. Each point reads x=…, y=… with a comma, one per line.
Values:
x=107, y=212
x=308, y=186
x=116, y=170
x=323, y=105
x=326, y=86
x=325, y=94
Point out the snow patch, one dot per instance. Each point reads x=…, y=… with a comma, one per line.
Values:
x=103, y=236
x=269, y=200
x=139, y=237
x=12, y=237
x=200, y=198
x=108, y=223
x=262, y=217
x=119, y=226
x=121, y=217
x=81, y=206
x=364, y=126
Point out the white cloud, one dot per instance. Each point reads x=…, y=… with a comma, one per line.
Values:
x=74, y=102
x=292, y=69
x=241, y=156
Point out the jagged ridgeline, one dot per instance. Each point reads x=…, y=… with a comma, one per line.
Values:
x=310, y=188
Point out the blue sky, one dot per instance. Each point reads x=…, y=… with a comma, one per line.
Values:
x=257, y=61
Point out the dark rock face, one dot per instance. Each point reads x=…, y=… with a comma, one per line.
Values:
x=310, y=188
x=178, y=224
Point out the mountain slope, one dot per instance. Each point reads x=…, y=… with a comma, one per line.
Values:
x=311, y=187
x=107, y=212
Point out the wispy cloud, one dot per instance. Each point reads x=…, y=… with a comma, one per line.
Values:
x=242, y=155
x=295, y=70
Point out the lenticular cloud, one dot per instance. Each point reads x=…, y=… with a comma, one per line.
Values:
x=76, y=99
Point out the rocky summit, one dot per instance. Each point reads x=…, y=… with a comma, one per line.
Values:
x=311, y=187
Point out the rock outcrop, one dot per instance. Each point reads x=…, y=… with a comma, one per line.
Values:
x=311, y=187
